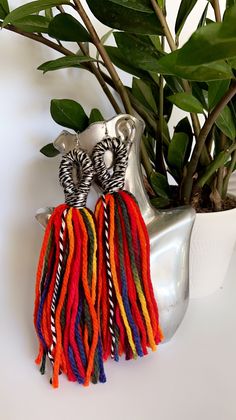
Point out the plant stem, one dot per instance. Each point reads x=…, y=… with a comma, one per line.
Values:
x=40, y=39
x=95, y=70
x=194, y=117
x=229, y=173
x=187, y=184
x=102, y=51
x=216, y=7
x=101, y=81
x=164, y=25
x=161, y=17
x=220, y=178
x=143, y=114
x=145, y=160
x=221, y=170
x=159, y=163
x=89, y=66
x=146, y=115
x=116, y=82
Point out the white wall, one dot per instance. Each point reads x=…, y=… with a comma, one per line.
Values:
x=28, y=179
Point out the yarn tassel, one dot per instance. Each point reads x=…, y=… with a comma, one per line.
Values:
x=65, y=315
x=129, y=313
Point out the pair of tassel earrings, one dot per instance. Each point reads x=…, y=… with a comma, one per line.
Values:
x=94, y=297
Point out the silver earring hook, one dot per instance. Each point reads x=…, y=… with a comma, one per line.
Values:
x=77, y=141
x=106, y=129
x=125, y=128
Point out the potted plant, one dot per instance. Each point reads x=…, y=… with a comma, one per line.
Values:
x=190, y=163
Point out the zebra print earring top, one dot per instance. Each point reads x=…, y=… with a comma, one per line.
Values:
x=128, y=310
x=115, y=181
x=65, y=318
x=76, y=193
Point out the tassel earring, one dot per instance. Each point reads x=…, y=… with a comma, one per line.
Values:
x=65, y=317
x=127, y=307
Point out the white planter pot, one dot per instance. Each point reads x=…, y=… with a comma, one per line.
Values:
x=212, y=243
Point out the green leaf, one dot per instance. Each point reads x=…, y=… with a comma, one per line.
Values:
x=49, y=13
x=228, y=164
x=161, y=3
x=143, y=92
x=217, y=163
x=120, y=61
x=202, y=57
x=186, y=6
x=160, y=202
x=229, y=15
x=187, y=102
x=65, y=62
x=33, y=23
x=174, y=83
x=200, y=93
x=106, y=36
x=211, y=43
x=4, y=9
x=66, y=28
x=138, y=51
x=104, y=39
x=202, y=21
x=184, y=126
x=168, y=106
x=225, y=122
x=95, y=116
x=216, y=91
x=139, y=5
x=30, y=8
x=69, y=113
x=123, y=15
x=159, y=184
x=156, y=41
x=49, y=150
x=166, y=132
x=208, y=21
x=177, y=150
x=230, y=3
x=232, y=62
x=214, y=71
x=149, y=143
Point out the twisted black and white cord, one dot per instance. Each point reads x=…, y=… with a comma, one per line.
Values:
x=109, y=276
x=76, y=192
x=111, y=182
x=57, y=286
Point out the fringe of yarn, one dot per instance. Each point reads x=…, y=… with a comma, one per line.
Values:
x=127, y=307
x=65, y=315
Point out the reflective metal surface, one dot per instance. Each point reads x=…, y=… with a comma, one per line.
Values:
x=169, y=231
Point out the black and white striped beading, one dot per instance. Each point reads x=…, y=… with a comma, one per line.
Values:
x=76, y=193
x=115, y=181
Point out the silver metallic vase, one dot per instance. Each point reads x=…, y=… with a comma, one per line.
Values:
x=169, y=230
